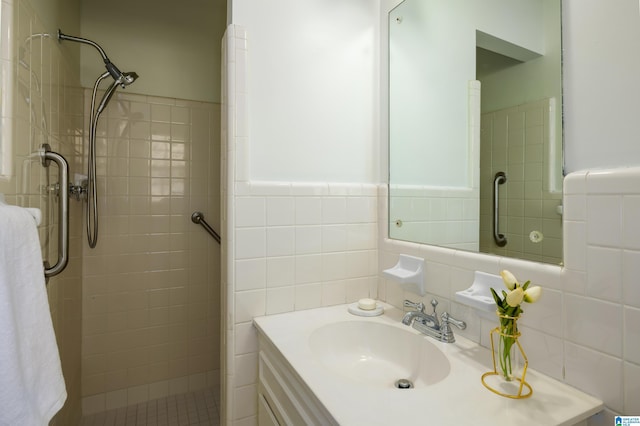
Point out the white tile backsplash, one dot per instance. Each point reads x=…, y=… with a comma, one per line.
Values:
x=604, y=215
x=575, y=256
x=630, y=274
x=334, y=292
x=632, y=335
x=308, y=239
x=308, y=211
x=250, y=211
x=545, y=351
x=361, y=236
x=630, y=222
x=546, y=314
x=250, y=243
x=334, y=210
x=595, y=373
x=604, y=273
x=280, y=211
x=308, y=268
x=594, y=323
x=280, y=299
x=308, y=296
x=631, y=388
x=280, y=241
x=249, y=304
x=251, y=274
x=334, y=238
x=280, y=271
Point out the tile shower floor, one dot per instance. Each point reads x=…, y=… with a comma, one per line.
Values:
x=191, y=409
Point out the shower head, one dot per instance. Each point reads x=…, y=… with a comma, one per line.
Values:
x=125, y=79
x=128, y=78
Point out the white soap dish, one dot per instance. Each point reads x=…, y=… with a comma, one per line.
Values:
x=409, y=273
x=354, y=309
x=479, y=294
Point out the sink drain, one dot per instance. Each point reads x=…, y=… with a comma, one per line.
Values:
x=403, y=384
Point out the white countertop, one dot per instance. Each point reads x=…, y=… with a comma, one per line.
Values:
x=460, y=398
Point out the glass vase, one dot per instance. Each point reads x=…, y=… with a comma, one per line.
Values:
x=506, y=379
x=507, y=354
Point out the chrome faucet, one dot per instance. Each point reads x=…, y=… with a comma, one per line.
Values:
x=419, y=315
x=429, y=324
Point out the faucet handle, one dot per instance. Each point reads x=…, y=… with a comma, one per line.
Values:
x=417, y=306
x=448, y=319
x=446, y=335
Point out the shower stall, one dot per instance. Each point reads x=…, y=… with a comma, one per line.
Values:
x=136, y=317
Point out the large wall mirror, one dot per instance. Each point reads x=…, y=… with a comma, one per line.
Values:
x=475, y=126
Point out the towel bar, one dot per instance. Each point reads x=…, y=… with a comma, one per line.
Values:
x=63, y=210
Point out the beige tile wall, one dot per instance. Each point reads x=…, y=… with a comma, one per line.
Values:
x=42, y=103
x=516, y=141
x=151, y=286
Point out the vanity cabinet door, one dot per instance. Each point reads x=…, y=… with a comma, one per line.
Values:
x=266, y=417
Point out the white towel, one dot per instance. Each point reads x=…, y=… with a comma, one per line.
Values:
x=32, y=388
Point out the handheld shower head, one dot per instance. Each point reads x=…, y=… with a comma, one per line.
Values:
x=128, y=78
x=119, y=78
x=125, y=79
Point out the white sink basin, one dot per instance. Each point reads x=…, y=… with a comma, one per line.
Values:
x=378, y=354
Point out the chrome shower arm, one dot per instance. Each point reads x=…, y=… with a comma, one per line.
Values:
x=62, y=36
x=113, y=70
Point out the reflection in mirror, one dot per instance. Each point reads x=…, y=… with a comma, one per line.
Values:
x=475, y=91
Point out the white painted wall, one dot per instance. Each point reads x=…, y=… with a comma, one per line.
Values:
x=601, y=69
x=432, y=59
x=173, y=46
x=532, y=80
x=313, y=89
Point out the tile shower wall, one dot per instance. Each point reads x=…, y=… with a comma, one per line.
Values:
x=287, y=246
x=516, y=141
x=42, y=103
x=150, y=287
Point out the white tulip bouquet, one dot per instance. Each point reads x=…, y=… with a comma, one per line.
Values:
x=509, y=310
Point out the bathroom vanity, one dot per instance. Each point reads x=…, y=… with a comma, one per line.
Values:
x=326, y=366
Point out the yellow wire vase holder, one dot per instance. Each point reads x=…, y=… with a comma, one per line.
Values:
x=512, y=385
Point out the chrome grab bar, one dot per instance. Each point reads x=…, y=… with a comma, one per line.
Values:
x=499, y=238
x=63, y=210
x=198, y=217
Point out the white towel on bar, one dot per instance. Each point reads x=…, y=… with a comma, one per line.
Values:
x=32, y=388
